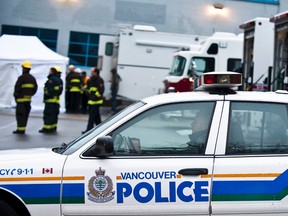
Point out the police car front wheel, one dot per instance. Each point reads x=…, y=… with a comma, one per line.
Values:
x=6, y=209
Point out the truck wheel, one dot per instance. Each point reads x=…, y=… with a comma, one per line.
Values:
x=6, y=209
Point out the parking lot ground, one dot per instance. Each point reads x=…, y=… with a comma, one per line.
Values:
x=70, y=126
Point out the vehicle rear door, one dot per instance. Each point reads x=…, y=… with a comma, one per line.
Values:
x=251, y=162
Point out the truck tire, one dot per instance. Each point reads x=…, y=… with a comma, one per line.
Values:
x=6, y=209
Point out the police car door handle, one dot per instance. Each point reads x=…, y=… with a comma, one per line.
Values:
x=193, y=171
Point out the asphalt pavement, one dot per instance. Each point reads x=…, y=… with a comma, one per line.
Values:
x=70, y=126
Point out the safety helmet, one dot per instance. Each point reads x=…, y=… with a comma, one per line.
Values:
x=27, y=64
x=78, y=70
x=58, y=69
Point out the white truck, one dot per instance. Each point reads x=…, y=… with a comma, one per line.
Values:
x=258, y=53
x=222, y=51
x=280, y=69
x=142, y=57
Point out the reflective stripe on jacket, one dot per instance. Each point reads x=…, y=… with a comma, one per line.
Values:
x=96, y=90
x=25, y=87
x=26, y=98
x=76, y=85
x=53, y=89
x=74, y=82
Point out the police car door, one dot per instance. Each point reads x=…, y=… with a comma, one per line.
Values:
x=251, y=170
x=158, y=167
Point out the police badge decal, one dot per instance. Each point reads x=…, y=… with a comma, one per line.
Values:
x=100, y=187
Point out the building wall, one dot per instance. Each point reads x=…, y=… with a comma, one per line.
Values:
x=103, y=17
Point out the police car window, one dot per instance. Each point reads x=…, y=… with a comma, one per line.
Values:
x=174, y=129
x=257, y=128
x=82, y=140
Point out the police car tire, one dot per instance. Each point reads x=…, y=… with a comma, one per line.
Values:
x=6, y=209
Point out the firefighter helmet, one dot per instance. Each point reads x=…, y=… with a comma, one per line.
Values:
x=78, y=70
x=58, y=69
x=27, y=64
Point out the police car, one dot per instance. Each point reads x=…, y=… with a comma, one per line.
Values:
x=214, y=151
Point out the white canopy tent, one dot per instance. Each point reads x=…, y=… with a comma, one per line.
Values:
x=14, y=50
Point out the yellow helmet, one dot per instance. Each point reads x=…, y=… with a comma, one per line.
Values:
x=58, y=69
x=27, y=64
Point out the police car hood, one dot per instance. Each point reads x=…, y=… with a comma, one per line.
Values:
x=27, y=154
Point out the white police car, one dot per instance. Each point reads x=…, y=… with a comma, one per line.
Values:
x=211, y=152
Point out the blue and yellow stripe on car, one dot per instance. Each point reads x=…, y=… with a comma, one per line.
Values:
x=243, y=189
x=45, y=192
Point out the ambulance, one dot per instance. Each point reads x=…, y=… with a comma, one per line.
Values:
x=222, y=51
x=212, y=151
x=142, y=56
x=279, y=79
x=258, y=54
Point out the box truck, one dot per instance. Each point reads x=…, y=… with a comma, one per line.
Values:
x=258, y=53
x=279, y=78
x=142, y=56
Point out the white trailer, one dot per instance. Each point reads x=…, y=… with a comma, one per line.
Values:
x=280, y=66
x=142, y=56
x=258, y=53
x=222, y=51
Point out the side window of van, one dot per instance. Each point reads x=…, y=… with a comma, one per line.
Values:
x=234, y=64
x=257, y=128
x=109, y=47
x=203, y=64
x=213, y=49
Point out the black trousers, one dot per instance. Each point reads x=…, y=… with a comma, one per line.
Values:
x=57, y=111
x=22, y=113
x=74, y=102
x=50, y=116
x=94, y=116
x=84, y=100
x=67, y=100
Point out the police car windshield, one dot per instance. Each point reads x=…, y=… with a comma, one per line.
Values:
x=82, y=140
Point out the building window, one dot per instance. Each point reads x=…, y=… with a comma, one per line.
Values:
x=47, y=36
x=83, y=49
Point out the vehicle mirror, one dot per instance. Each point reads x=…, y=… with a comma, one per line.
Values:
x=103, y=146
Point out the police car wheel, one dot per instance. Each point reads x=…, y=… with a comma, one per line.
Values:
x=6, y=209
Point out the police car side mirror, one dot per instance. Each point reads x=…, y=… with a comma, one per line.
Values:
x=103, y=146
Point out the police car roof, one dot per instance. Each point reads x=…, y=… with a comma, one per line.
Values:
x=180, y=97
x=205, y=96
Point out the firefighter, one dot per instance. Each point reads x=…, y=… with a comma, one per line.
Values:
x=96, y=89
x=74, y=84
x=25, y=87
x=52, y=91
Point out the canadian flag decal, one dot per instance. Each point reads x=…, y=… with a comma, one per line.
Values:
x=47, y=170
